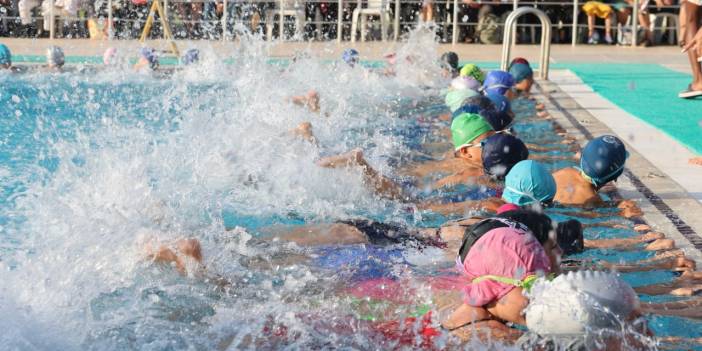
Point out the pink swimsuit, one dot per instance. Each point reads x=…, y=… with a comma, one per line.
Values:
x=504, y=252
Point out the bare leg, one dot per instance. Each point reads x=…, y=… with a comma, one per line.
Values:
x=590, y=25
x=688, y=29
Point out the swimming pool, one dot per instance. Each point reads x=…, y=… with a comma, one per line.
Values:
x=96, y=165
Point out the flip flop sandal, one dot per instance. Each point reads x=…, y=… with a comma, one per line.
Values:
x=689, y=93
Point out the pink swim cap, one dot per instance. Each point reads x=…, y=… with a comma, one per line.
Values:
x=507, y=208
x=108, y=57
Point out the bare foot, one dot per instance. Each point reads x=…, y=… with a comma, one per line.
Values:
x=661, y=244
x=642, y=227
x=650, y=236
x=351, y=158
x=540, y=106
x=304, y=130
x=691, y=275
x=682, y=264
x=687, y=291
x=313, y=101
x=542, y=114
x=695, y=161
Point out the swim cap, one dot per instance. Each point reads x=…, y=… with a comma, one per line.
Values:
x=501, y=152
x=501, y=103
x=466, y=128
x=54, y=56
x=539, y=224
x=455, y=98
x=471, y=70
x=570, y=237
x=520, y=72
x=465, y=83
x=579, y=302
x=519, y=60
x=449, y=60
x=498, y=82
x=108, y=58
x=501, y=118
x=603, y=159
x=507, y=207
x=5, y=55
x=475, y=104
x=350, y=56
x=149, y=54
x=190, y=57
x=527, y=183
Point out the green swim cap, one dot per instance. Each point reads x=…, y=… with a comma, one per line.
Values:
x=456, y=97
x=471, y=70
x=467, y=127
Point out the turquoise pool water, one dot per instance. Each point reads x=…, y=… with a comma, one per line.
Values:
x=94, y=167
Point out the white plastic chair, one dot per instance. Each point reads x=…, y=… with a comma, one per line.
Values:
x=289, y=8
x=376, y=8
x=669, y=22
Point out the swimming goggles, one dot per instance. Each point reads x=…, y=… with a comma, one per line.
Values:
x=544, y=202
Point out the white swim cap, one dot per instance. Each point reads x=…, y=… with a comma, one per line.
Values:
x=460, y=83
x=578, y=302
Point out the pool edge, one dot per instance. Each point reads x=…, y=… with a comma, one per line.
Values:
x=667, y=206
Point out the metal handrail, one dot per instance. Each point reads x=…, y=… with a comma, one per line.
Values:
x=508, y=37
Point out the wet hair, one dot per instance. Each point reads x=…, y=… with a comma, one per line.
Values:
x=569, y=235
x=538, y=223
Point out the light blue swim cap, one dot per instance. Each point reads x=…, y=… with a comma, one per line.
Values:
x=456, y=97
x=529, y=182
x=5, y=55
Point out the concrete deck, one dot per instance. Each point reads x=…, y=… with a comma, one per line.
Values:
x=375, y=50
x=667, y=206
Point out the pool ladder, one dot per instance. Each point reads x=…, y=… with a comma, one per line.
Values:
x=510, y=34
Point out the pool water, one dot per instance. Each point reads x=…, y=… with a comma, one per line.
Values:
x=94, y=167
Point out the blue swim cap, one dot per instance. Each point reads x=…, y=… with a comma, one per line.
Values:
x=350, y=56
x=475, y=104
x=498, y=82
x=191, y=56
x=520, y=72
x=5, y=55
x=603, y=159
x=150, y=55
x=529, y=182
x=501, y=152
x=501, y=103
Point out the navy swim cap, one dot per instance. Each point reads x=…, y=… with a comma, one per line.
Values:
x=501, y=152
x=603, y=159
x=498, y=82
x=450, y=60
